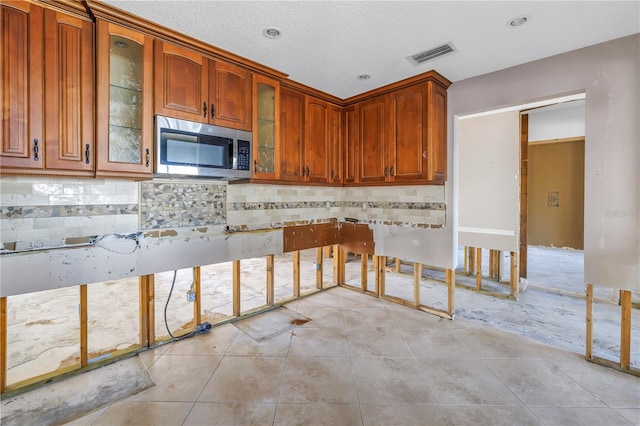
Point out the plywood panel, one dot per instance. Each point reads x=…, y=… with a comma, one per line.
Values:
x=356, y=238
x=303, y=237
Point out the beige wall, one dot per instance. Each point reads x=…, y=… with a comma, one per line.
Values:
x=556, y=169
x=609, y=74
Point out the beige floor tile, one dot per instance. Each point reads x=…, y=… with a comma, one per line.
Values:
x=377, y=342
x=179, y=377
x=437, y=342
x=326, y=299
x=317, y=415
x=88, y=419
x=553, y=416
x=392, y=381
x=353, y=299
x=367, y=317
x=231, y=413
x=145, y=413
x=614, y=388
x=322, y=342
x=322, y=316
x=488, y=343
x=486, y=415
x=245, y=379
x=326, y=380
x=152, y=355
x=402, y=414
x=244, y=345
x=631, y=414
x=214, y=342
x=408, y=318
x=465, y=383
x=536, y=382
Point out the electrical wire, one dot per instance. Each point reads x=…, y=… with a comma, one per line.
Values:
x=166, y=305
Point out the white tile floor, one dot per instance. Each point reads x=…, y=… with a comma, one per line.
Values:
x=362, y=360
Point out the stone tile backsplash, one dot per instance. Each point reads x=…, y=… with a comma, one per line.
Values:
x=38, y=209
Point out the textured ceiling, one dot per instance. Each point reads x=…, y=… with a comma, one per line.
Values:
x=327, y=44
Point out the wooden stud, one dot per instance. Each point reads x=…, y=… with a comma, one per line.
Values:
x=625, y=329
x=514, y=277
x=417, y=275
x=236, y=288
x=270, y=281
x=466, y=260
x=343, y=266
x=84, y=332
x=151, y=309
x=319, y=272
x=382, y=262
x=3, y=344
x=498, y=265
x=296, y=274
x=478, y=268
x=364, y=271
x=327, y=251
x=398, y=264
x=197, y=304
x=336, y=266
x=472, y=261
x=589, y=343
x=450, y=277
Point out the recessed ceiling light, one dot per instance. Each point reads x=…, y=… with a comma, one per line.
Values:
x=518, y=21
x=271, y=32
x=364, y=77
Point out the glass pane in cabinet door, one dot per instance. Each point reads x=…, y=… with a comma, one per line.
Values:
x=266, y=128
x=125, y=102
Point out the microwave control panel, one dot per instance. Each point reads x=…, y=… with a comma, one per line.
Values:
x=244, y=155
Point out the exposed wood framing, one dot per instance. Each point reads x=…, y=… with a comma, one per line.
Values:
x=589, y=344
x=236, y=288
x=197, y=304
x=380, y=264
x=327, y=251
x=364, y=271
x=270, y=281
x=417, y=276
x=3, y=344
x=84, y=332
x=514, y=279
x=478, y=268
x=524, y=194
x=296, y=274
x=398, y=264
x=339, y=259
x=472, y=260
x=450, y=278
x=147, y=310
x=319, y=265
x=625, y=329
x=466, y=260
x=494, y=264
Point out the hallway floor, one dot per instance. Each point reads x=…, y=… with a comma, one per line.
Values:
x=362, y=360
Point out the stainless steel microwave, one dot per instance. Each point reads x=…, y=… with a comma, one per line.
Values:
x=187, y=148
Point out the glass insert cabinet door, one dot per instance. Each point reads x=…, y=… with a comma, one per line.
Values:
x=125, y=116
x=266, y=98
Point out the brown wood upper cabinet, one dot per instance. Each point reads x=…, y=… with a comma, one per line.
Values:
x=192, y=87
x=21, y=127
x=292, y=133
x=401, y=136
x=336, y=139
x=124, y=102
x=350, y=157
x=47, y=127
x=316, y=143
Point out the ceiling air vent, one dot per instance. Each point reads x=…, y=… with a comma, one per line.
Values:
x=427, y=55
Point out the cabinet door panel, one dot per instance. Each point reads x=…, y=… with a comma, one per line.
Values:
x=316, y=143
x=409, y=134
x=124, y=93
x=230, y=96
x=350, y=145
x=336, y=140
x=291, y=134
x=373, y=140
x=437, y=128
x=266, y=154
x=69, y=93
x=181, y=88
x=21, y=86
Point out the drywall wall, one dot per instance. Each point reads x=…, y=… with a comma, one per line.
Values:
x=489, y=191
x=609, y=74
x=560, y=121
x=556, y=194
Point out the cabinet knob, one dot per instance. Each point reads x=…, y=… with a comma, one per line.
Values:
x=386, y=170
x=147, y=157
x=86, y=154
x=255, y=166
x=213, y=110
x=391, y=171
x=204, y=109
x=35, y=149
x=307, y=171
x=332, y=174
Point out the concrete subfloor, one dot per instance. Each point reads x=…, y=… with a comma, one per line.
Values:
x=363, y=360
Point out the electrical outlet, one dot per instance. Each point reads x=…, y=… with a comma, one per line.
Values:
x=191, y=296
x=316, y=266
